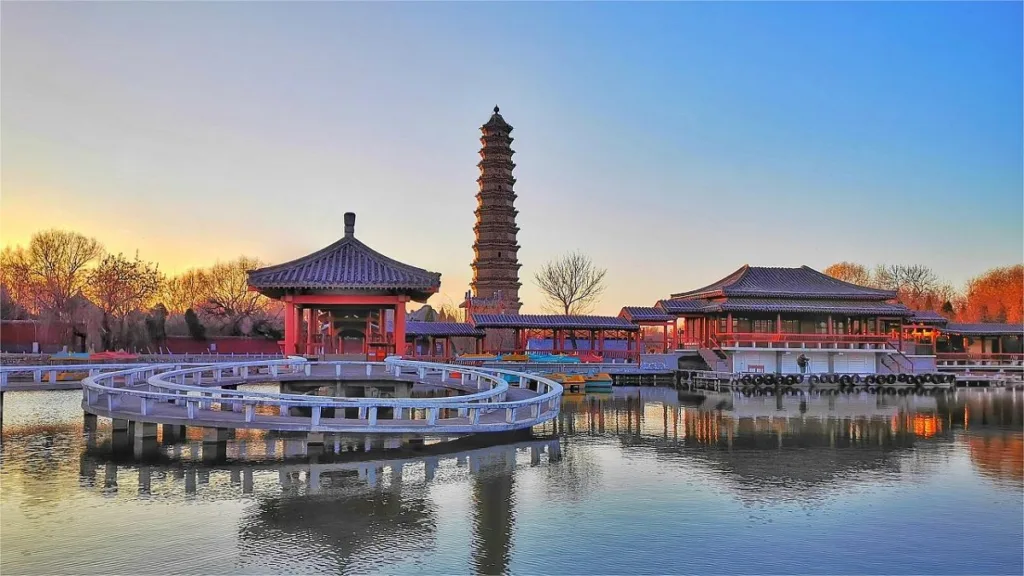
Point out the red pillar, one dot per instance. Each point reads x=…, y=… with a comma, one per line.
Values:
x=664, y=338
x=675, y=333
x=400, y=328
x=291, y=330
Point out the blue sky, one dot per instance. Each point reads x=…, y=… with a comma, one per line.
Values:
x=673, y=142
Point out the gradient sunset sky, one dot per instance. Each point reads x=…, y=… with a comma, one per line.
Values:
x=671, y=142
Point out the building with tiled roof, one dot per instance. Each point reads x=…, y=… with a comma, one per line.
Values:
x=345, y=298
x=764, y=318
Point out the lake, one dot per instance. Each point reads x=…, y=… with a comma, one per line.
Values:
x=641, y=481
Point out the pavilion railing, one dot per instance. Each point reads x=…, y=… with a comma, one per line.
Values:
x=973, y=359
x=790, y=340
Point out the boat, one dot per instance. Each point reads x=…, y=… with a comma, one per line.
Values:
x=515, y=358
x=590, y=358
x=478, y=358
x=574, y=383
x=600, y=382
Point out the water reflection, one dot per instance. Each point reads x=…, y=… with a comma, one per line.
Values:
x=254, y=502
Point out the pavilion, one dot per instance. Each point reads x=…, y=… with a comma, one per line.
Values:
x=345, y=299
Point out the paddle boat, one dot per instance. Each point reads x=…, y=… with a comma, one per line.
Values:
x=600, y=382
x=574, y=383
x=515, y=358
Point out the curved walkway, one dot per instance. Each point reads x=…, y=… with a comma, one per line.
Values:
x=202, y=396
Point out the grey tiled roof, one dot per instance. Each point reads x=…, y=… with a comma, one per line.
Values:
x=645, y=314
x=346, y=264
x=811, y=306
x=682, y=306
x=552, y=321
x=788, y=305
x=803, y=282
x=928, y=317
x=441, y=329
x=985, y=329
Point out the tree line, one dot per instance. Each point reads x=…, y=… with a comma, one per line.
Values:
x=127, y=302
x=993, y=296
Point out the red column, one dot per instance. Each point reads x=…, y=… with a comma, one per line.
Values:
x=675, y=333
x=664, y=338
x=400, y=328
x=291, y=330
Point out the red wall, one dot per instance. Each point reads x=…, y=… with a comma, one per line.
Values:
x=18, y=335
x=225, y=345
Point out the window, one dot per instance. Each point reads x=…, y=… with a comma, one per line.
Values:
x=764, y=326
x=821, y=328
x=791, y=326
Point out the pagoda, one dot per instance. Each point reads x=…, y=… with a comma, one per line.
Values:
x=495, y=285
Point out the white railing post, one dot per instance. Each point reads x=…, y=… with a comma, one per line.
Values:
x=432, y=414
x=337, y=370
x=373, y=415
x=316, y=415
x=369, y=369
x=307, y=369
x=250, y=412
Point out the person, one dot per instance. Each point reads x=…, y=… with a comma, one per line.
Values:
x=801, y=361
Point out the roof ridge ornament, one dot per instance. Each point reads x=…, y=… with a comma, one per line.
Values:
x=350, y=224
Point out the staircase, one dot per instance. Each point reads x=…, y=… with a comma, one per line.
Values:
x=716, y=360
x=896, y=361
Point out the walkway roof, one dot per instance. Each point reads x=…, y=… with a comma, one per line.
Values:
x=552, y=321
x=441, y=329
x=985, y=329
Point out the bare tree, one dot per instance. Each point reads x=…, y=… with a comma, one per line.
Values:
x=17, y=280
x=227, y=295
x=573, y=284
x=186, y=290
x=850, y=272
x=120, y=286
x=912, y=283
x=57, y=262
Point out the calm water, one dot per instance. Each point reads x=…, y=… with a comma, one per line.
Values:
x=635, y=482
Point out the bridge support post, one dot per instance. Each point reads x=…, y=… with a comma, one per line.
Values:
x=429, y=468
x=173, y=433
x=247, y=481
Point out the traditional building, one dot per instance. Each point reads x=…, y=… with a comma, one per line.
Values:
x=763, y=319
x=345, y=299
x=495, y=285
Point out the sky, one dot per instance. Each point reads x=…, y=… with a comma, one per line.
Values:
x=671, y=142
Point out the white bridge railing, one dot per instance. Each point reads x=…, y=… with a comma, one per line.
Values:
x=185, y=395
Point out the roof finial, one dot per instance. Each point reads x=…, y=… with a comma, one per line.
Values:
x=350, y=224
x=495, y=109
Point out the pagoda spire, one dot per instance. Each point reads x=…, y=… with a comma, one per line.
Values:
x=496, y=251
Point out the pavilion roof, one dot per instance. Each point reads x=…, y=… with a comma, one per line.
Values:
x=928, y=317
x=441, y=329
x=985, y=329
x=549, y=321
x=802, y=282
x=348, y=264
x=645, y=314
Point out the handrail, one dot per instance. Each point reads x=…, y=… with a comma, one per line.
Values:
x=157, y=381
x=799, y=337
x=977, y=356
